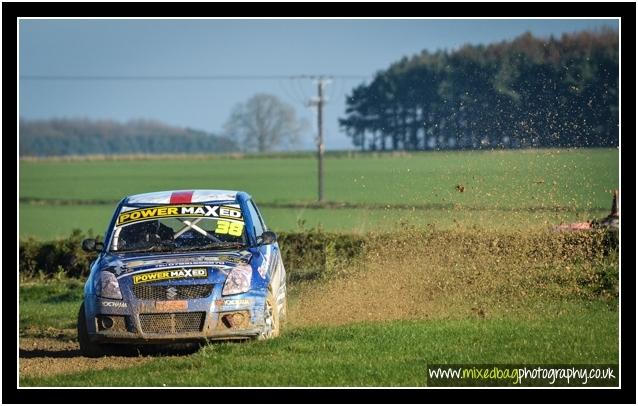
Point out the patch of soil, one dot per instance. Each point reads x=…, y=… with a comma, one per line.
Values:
x=40, y=357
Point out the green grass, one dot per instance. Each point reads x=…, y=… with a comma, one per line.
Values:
x=363, y=354
x=379, y=354
x=48, y=304
x=49, y=222
x=510, y=189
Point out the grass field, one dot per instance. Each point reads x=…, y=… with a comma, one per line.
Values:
x=471, y=297
x=49, y=304
x=501, y=189
x=494, y=287
x=393, y=353
x=50, y=222
x=381, y=354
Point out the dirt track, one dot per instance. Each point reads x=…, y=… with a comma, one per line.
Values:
x=51, y=352
x=51, y=356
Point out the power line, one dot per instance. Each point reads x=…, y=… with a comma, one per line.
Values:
x=298, y=86
x=178, y=77
x=290, y=95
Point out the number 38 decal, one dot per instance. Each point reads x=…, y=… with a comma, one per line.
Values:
x=228, y=227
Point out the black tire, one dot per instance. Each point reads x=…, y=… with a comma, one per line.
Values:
x=88, y=348
x=272, y=327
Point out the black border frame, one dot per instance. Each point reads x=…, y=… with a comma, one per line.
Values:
x=627, y=12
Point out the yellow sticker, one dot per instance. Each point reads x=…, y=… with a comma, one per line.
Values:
x=191, y=210
x=170, y=274
x=227, y=227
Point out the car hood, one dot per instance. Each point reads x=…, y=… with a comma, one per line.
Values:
x=222, y=262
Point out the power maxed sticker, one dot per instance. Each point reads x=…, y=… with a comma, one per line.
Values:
x=170, y=274
x=192, y=210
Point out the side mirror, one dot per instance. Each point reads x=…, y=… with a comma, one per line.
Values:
x=90, y=245
x=268, y=237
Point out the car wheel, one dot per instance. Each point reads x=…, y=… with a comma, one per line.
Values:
x=271, y=318
x=88, y=348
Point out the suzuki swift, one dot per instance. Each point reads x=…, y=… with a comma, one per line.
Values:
x=183, y=266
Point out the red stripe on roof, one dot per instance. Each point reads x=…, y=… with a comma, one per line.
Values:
x=181, y=197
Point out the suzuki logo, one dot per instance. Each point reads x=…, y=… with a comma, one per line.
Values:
x=171, y=293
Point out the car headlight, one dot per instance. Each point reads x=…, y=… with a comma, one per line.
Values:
x=108, y=286
x=238, y=280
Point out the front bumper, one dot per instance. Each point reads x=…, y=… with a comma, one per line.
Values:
x=155, y=322
x=133, y=338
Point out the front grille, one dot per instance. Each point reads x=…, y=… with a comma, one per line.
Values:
x=172, y=323
x=172, y=292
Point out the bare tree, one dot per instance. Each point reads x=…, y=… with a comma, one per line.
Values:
x=264, y=123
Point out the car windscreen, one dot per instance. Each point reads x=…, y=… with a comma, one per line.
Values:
x=185, y=227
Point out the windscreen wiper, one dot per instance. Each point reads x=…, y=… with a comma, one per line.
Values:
x=212, y=246
x=153, y=248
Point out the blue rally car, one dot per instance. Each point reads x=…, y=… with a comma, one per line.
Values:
x=183, y=266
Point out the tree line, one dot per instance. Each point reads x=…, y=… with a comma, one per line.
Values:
x=527, y=92
x=55, y=137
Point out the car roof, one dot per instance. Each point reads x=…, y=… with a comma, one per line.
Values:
x=183, y=196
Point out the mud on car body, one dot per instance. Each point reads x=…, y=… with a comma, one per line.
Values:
x=183, y=266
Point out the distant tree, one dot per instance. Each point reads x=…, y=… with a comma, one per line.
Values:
x=264, y=123
x=527, y=92
x=81, y=136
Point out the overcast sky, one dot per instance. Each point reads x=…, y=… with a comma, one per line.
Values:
x=230, y=47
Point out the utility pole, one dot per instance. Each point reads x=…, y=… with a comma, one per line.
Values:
x=319, y=102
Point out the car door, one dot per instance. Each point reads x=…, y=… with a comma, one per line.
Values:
x=273, y=265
